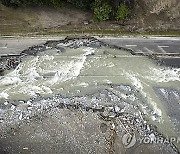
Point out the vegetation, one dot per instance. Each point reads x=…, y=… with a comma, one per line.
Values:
x=103, y=9
x=81, y=4
x=18, y=3
x=122, y=12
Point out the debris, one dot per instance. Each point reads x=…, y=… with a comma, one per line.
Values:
x=20, y=117
x=25, y=148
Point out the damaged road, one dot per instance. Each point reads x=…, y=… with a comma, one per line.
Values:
x=81, y=95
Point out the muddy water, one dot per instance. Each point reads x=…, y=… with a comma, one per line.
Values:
x=85, y=70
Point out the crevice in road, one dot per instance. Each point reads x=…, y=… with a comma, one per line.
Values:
x=119, y=119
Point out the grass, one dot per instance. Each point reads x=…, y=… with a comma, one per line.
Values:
x=99, y=32
x=20, y=23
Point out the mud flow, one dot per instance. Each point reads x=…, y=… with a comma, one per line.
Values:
x=80, y=95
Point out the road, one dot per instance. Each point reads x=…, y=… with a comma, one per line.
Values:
x=167, y=49
x=147, y=45
x=158, y=45
x=14, y=45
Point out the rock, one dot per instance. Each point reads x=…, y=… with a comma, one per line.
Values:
x=86, y=22
x=103, y=127
x=22, y=107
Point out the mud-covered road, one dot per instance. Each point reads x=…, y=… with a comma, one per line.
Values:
x=82, y=95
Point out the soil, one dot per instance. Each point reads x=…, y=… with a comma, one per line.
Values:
x=36, y=18
x=54, y=20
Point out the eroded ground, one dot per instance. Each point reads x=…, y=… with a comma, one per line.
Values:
x=80, y=95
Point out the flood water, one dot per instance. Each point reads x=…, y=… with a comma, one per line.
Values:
x=79, y=72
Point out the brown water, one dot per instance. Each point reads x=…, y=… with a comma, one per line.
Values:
x=81, y=71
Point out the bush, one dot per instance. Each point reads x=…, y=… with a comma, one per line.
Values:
x=122, y=12
x=56, y=3
x=14, y=3
x=102, y=11
x=81, y=4
x=18, y=3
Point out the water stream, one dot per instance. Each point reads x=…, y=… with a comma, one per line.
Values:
x=88, y=69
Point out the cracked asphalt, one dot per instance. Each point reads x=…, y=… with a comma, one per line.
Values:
x=167, y=49
x=60, y=125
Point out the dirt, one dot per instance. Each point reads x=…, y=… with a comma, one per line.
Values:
x=37, y=18
x=157, y=14
x=145, y=17
x=74, y=124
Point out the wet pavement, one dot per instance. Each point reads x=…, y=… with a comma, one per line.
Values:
x=81, y=95
x=163, y=45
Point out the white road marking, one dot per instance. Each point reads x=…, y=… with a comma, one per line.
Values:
x=148, y=50
x=10, y=54
x=3, y=47
x=138, y=51
x=163, y=46
x=131, y=45
x=161, y=49
x=139, y=38
x=165, y=38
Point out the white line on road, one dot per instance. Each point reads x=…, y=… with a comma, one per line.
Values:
x=138, y=51
x=3, y=47
x=148, y=50
x=140, y=38
x=161, y=49
x=131, y=45
x=163, y=46
x=10, y=54
x=165, y=38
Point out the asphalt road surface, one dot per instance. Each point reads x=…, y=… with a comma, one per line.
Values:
x=151, y=45
x=14, y=45
x=157, y=45
x=167, y=49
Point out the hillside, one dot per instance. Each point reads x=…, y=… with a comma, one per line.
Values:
x=151, y=15
x=157, y=14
